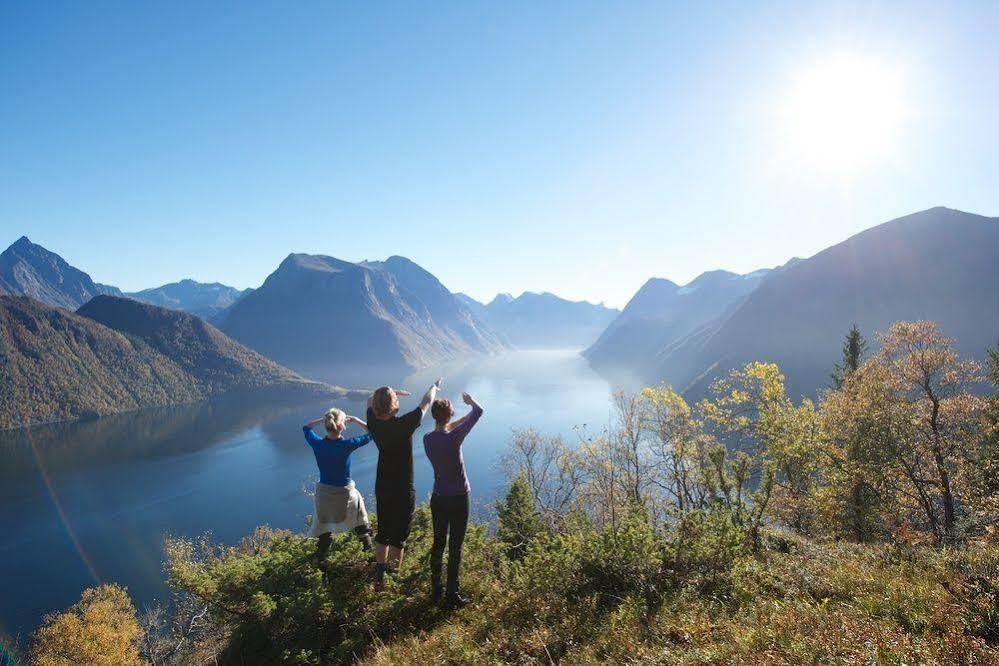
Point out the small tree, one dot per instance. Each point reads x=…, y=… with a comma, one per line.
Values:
x=915, y=425
x=985, y=478
x=629, y=447
x=854, y=503
x=751, y=412
x=677, y=448
x=518, y=522
x=550, y=468
x=98, y=629
x=854, y=351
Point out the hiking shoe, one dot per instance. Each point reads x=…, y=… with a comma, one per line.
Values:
x=455, y=600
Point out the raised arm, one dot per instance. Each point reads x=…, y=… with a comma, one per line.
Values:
x=358, y=422
x=314, y=422
x=430, y=396
x=463, y=425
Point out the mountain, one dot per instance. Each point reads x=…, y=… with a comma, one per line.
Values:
x=542, y=320
x=939, y=264
x=217, y=362
x=27, y=269
x=59, y=365
x=324, y=316
x=207, y=300
x=446, y=310
x=662, y=314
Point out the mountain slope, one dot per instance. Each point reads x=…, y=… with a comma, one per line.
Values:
x=323, y=316
x=218, y=363
x=27, y=269
x=543, y=320
x=57, y=365
x=939, y=264
x=207, y=300
x=446, y=310
x=661, y=314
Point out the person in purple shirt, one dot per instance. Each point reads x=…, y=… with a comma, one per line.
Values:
x=449, y=502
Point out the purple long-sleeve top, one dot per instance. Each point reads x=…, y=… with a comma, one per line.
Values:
x=443, y=450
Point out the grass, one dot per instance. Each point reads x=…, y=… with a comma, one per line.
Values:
x=606, y=596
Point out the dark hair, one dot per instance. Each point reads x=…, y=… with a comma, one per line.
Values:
x=441, y=410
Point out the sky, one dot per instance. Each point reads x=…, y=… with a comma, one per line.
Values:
x=579, y=148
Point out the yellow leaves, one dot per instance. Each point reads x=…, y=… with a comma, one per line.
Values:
x=99, y=629
x=738, y=397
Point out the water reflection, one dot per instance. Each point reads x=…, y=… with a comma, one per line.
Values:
x=87, y=502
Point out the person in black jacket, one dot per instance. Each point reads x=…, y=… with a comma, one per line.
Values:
x=395, y=494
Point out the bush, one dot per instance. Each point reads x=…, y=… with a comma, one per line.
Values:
x=517, y=520
x=98, y=629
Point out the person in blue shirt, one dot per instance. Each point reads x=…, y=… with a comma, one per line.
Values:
x=339, y=505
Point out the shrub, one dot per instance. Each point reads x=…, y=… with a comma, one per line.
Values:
x=517, y=520
x=98, y=629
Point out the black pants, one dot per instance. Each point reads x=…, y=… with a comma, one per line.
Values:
x=450, y=521
x=363, y=533
x=395, y=516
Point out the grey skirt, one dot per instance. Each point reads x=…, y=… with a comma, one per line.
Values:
x=338, y=509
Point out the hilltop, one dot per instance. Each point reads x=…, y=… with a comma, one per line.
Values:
x=118, y=355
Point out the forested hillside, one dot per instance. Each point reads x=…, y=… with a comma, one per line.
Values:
x=58, y=365
x=218, y=362
x=118, y=355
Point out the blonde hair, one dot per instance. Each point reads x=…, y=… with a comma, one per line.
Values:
x=384, y=402
x=335, y=421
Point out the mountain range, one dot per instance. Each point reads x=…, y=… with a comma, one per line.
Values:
x=207, y=300
x=28, y=269
x=116, y=354
x=939, y=264
x=327, y=318
x=322, y=316
x=542, y=321
x=662, y=312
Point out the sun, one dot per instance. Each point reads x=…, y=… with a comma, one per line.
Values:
x=844, y=113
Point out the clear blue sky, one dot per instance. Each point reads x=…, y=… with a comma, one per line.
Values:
x=576, y=147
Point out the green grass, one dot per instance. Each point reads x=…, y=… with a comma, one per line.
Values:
x=625, y=595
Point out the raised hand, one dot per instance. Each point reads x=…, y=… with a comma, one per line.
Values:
x=467, y=399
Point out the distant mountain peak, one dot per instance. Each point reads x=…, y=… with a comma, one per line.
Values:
x=206, y=300
x=399, y=259
x=28, y=269
x=391, y=314
x=660, y=282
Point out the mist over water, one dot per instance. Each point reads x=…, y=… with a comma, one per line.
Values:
x=89, y=502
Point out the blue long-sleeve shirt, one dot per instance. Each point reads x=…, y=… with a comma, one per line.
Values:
x=333, y=455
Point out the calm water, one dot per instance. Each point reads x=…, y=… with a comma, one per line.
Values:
x=88, y=502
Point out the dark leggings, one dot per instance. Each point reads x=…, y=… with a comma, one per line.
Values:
x=450, y=521
x=363, y=533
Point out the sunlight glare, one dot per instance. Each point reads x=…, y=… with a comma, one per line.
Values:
x=844, y=113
